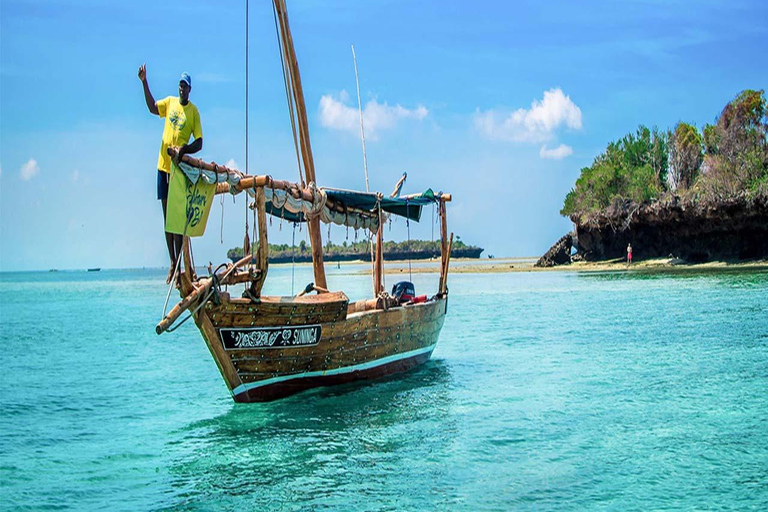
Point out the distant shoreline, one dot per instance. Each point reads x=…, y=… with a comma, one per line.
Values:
x=509, y=265
x=503, y=265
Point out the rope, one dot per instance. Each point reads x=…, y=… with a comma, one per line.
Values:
x=221, y=229
x=319, y=198
x=191, y=314
x=255, y=208
x=215, y=291
x=293, y=256
x=246, y=123
x=408, y=226
x=362, y=131
x=433, y=222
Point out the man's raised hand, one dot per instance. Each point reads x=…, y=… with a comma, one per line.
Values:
x=143, y=72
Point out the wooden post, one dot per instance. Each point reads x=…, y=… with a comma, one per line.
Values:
x=379, y=263
x=188, y=276
x=444, y=270
x=443, y=243
x=263, y=251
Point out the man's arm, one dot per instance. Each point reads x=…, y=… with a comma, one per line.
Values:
x=188, y=149
x=151, y=105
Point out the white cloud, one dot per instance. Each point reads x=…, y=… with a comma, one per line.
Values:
x=29, y=170
x=558, y=153
x=537, y=124
x=75, y=176
x=231, y=164
x=337, y=115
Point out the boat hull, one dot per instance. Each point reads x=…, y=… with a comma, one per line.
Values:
x=254, y=345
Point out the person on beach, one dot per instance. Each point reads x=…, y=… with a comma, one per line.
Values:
x=629, y=254
x=182, y=120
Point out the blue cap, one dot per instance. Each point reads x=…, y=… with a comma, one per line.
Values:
x=186, y=78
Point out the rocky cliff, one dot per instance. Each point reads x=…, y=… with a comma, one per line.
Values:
x=558, y=254
x=728, y=229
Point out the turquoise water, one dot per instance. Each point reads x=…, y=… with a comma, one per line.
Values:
x=548, y=391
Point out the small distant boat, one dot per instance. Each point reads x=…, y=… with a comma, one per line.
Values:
x=95, y=269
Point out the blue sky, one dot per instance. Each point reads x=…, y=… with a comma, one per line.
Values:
x=499, y=103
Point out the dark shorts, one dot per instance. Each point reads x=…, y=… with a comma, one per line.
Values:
x=162, y=184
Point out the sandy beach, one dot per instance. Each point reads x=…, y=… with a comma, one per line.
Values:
x=526, y=264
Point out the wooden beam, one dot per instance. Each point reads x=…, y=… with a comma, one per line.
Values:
x=443, y=242
x=263, y=250
x=379, y=265
x=444, y=270
x=198, y=290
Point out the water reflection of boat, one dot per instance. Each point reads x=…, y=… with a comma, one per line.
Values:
x=306, y=448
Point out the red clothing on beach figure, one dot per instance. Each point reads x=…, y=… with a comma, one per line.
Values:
x=629, y=254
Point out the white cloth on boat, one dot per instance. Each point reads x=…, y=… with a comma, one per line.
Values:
x=210, y=177
x=280, y=199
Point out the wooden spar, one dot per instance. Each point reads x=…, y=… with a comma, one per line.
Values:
x=200, y=164
x=444, y=270
x=291, y=188
x=197, y=293
x=289, y=54
x=244, y=277
x=252, y=182
x=443, y=197
x=263, y=251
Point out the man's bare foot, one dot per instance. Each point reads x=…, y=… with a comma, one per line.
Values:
x=170, y=275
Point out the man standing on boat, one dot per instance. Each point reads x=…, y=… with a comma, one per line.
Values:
x=182, y=120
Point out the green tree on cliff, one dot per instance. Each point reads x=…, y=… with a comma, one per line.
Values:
x=634, y=168
x=685, y=156
x=730, y=158
x=737, y=148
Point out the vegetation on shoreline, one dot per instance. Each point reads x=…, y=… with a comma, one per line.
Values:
x=413, y=249
x=724, y=160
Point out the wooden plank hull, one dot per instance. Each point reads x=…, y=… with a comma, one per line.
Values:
x=280, y=346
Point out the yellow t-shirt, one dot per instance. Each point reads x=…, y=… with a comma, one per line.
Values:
x=181, y=121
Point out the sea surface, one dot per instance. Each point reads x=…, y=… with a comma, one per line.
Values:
x=547, y=391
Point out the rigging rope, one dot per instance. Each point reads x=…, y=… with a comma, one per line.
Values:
x=246, y=240
x=293, y=256
x=221, y=229
x=408, y=226
x=288, y=86
x=362, y=131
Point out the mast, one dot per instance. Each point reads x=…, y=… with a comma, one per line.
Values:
x=293, y=76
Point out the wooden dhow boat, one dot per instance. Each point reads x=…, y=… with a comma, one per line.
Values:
x=268, y=347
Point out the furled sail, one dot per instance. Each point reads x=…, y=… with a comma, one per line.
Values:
x=357, y=210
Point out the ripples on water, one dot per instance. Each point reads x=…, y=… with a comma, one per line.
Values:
x=548, y=391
